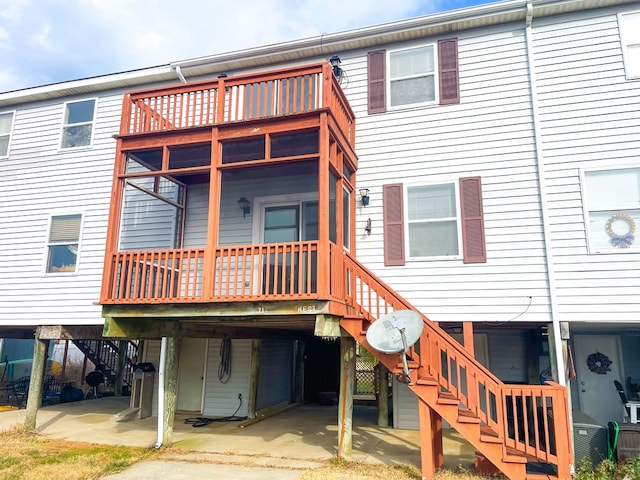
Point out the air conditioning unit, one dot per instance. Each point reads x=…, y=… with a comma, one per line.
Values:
x=590, y=439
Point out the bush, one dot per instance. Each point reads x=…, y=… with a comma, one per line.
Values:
x=608, y=470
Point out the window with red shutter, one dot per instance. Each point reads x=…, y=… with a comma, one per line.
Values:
x=377, y=82
x=448, y=71
x=472, y=220
x=393, y=224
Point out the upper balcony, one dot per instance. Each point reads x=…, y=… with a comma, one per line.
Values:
x=225, y=100
x=281, y=141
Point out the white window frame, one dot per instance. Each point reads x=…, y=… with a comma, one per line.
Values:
x=407, y=222
x=591, y=248
x=49, y=243
x=10, y=133
x=389, y=80
x=65, y=125
x=625, y=34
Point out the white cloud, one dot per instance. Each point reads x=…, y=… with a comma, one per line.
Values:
x=70, y=39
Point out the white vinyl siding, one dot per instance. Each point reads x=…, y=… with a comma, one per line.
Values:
x=36, y=177
x=588, y=116
x=630, y=35
x=77, y=123
x=489, y=134
x=6, y=127
x=221, y=399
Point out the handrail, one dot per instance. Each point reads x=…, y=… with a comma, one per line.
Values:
x=530, y=419
x=251, y=96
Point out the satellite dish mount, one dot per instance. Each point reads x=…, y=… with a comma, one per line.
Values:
x=395, y=333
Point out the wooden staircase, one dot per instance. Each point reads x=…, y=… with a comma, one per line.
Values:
x=514, y=427
x=105, y=356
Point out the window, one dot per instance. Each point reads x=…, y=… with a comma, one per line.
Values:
x=407, y=77
x=613, y=209
x=630, y=34
x=432, y=221
x=6, y=125
x=63, y=243
x=412, y=76
x=439, y=223
x=78, y=123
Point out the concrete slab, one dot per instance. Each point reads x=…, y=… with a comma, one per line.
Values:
x=295, y=440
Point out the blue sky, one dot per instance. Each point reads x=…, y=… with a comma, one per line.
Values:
x=48, y=41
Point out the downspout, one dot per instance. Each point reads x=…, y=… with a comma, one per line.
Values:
x=179, y=73
x=557, y=338
x=161, y=367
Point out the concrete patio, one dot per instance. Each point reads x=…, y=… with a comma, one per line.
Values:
x=300, y=437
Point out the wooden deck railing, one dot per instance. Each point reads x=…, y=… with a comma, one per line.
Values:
x=277, y=271
x=240, y=98
x=530, y=419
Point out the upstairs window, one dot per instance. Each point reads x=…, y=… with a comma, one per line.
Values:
x=77, y=126
x=420, y=75
x=412, y=76
x=442, y=221
x=6, y=126
x=63, y=243
x=630, y=34
x=613, y=209
x=432, y=221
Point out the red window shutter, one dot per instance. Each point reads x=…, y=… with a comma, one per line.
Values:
x=393, y=220
x=448, y=69
x=377, y=82
x=474, y=248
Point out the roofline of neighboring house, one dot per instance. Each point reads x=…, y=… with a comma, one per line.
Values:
x=325, y=45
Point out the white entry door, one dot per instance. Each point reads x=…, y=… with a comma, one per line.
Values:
x=597, y=392
x=191, y=374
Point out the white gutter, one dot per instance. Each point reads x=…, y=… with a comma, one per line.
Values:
x=161, y=368
x=557, y=339
x=179, y=73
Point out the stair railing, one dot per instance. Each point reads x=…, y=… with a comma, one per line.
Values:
x=530, y=419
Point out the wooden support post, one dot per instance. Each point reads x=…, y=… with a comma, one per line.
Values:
x=170, y=388
x=345, y=402
x=382, y=374
x=122, y=356
x=64, y=360
x=431, y=452
x=467, y=334
x=34, y=399
x=254, y=376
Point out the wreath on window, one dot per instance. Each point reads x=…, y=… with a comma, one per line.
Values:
x=621, y=240
x=599, y=363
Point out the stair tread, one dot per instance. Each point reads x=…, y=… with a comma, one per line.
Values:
x=427, y=381
x=488, y=435
x=513, y=456
x=447, y=398
x=467, y=416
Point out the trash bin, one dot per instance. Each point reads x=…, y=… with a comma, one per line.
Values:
x=142, y=389
x=624, y=440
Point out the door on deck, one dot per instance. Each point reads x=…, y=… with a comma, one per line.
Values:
x=286, y=223
x=191, y=374
x=597, y=392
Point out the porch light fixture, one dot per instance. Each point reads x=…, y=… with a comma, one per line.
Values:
x=335, y=64
x=245, y=206
x=364, y=196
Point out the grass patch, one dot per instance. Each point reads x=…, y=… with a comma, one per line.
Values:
x=26, y=455
x=342, y=470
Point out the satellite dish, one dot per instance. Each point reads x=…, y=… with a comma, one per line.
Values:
x=395, y=333
x=385, y=334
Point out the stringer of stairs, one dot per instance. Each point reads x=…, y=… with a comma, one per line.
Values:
x=104, y=355
x=510, y=425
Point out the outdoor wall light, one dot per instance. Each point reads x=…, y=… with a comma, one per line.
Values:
x=245, y=206
x=364, y=196
x=367, y=226
x=335, y=64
